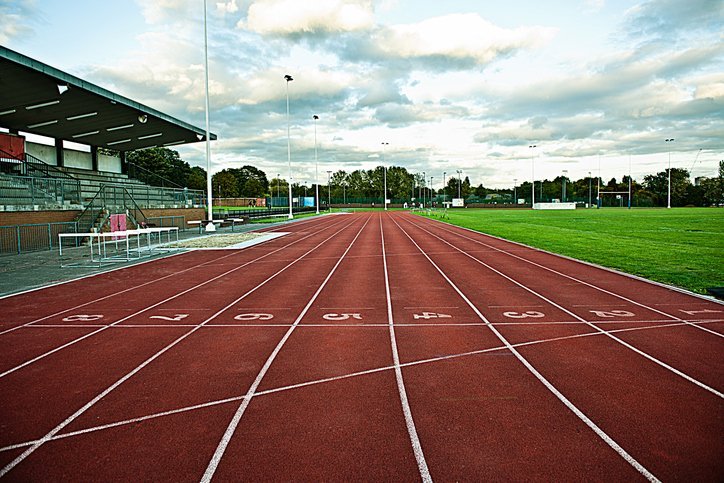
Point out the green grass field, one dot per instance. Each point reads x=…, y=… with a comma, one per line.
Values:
x=680, y=246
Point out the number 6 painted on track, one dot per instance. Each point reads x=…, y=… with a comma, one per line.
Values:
x=254, y=317
x=531, y=313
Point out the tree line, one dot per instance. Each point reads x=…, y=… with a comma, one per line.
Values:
x=164, y=167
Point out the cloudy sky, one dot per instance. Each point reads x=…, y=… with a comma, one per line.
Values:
x=454, y=84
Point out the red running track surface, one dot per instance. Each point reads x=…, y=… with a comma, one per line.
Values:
x=371, y=346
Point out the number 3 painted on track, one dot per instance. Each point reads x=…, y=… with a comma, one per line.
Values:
x=254, y=317
x=531, y=313
x=82, y=318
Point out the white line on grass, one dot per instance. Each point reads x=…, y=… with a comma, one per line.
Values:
x=158, y=354
x=586, y=420
x=231, y=428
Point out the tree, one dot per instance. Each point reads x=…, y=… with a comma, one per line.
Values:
x=224, y=185
x=159, y=167
x=658, y=185
x=197, y=179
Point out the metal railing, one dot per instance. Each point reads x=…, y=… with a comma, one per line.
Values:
x=24, y=190
x=33, y=237
x=58, y=185
x=167, y=221
x=260, y=213
x=149, y=177
x=110, y=197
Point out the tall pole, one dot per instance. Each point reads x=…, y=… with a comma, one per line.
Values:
x=532, y=168
x=563, y=195
x=384, y=166
x=515, y=191
x=329, y=191
x=598, y=184
x=209, y=195
x=288, y=78
x=590, y=200
x=444, y=196
x=316, y=162
x=424, y=179
x=432, y=191
x=460, y=172
x=668, y=202
x=629, y=181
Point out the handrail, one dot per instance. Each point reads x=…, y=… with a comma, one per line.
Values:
x=110, y=195
x=132, y=166
x=57, y=184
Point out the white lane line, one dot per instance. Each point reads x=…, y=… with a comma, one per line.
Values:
x=83, y=337
x=586, y=420
x=218, y=402
x=588, y=323
x=158, y=354
x=411, y=430
x=601, y=289
x=234, y=423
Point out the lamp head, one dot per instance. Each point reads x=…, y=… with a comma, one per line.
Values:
x=288, y=78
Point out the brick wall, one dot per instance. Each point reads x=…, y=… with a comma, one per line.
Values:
x=11, y=218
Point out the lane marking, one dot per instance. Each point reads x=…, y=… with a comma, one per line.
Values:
x=236, y=419
x=158, y=354
x=621, y=297
x=217, y=402
x=79, y=339
x=406, y=410
x=589, y=323
x=586, y=420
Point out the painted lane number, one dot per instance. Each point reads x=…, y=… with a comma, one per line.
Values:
x=612, y=313
x=254, y=317
x=431, y=315
x=528, y=314
x=705, y=311
x=82, y=318
x=175, y=318
x=341, y=316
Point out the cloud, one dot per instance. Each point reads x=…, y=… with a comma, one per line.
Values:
x=15, y=19
x=294, y=17
x=669, y=19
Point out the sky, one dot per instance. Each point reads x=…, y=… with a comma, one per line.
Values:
x=595, y=85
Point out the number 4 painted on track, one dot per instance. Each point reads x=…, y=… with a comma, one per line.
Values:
x=431, y=315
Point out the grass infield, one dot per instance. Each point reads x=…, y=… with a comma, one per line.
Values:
x=680, y=246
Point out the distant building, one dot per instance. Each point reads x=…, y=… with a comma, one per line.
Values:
x=700, y=179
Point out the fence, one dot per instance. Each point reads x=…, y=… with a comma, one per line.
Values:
x=32, y=190
x=33, y=237
x=168, y=221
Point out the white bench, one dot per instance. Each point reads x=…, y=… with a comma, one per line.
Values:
x=202, y=223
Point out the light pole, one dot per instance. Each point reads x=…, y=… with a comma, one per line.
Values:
x=344, y=192
x=288, y=78
x=589, y=189
x=532, y=164
x=384, y=166
x=459, y=172
x=563, y=196
x=423, y=189
x=432, y=191
x=515, y=191
x=668, y=202
x=444, y=196
x=210, y=227
x=329, y=191
x=316, y=162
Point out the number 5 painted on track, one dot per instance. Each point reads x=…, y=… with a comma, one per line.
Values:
x=612, y=313
x=341, y=316
x=254, y=317
x=82, y=318
x=529, y=314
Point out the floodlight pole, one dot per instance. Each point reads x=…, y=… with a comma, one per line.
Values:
x=668, y=199
x=515, y=191
x=329, y=191
x=532, y=164
x=288, y=78
x=563, y=195
x=589, y=190
x=278, y=183
x=424, y=179
x=432, y=190
x=459, y=172
x=384, y=166
x=210, y=227
x=316, y=161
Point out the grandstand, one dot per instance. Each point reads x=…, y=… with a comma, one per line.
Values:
x=45, y=181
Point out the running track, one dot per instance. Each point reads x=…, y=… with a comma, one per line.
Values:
x=373, y=346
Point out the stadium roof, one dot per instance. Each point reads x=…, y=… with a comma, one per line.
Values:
x=40, y=99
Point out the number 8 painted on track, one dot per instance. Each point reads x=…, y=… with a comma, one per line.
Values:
x=82, y=318
x=531, y=313
x=254, y=317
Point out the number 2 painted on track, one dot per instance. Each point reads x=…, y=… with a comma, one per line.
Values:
x=254, y=317
x=175, y=318
x=82, y=318
x=612, y=313
x=529, y=314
